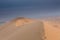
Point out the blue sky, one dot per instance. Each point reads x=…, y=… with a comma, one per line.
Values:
x=10, y=9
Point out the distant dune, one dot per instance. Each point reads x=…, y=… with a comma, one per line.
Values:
x=17, y=22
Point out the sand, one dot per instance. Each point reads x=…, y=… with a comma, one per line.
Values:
x=52, y=30
x=27, y=30
x=30, y=29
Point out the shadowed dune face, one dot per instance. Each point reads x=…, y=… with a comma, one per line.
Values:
x=29, y=32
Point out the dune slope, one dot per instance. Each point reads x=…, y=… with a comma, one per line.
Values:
x=52, y=30
x=29, y=31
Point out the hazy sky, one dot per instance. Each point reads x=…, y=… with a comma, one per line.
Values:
x=28, y=8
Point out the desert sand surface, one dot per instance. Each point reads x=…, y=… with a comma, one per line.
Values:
x=52, y=30
x=27, y=30
x=30, y=29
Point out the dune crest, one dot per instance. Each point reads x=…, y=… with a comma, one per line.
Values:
x=21, y=21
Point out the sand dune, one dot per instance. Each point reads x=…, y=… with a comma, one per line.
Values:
x=30, y=29
x=17, y=22
x=27, y=30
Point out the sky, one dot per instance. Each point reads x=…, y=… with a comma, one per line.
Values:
x=10, y=9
